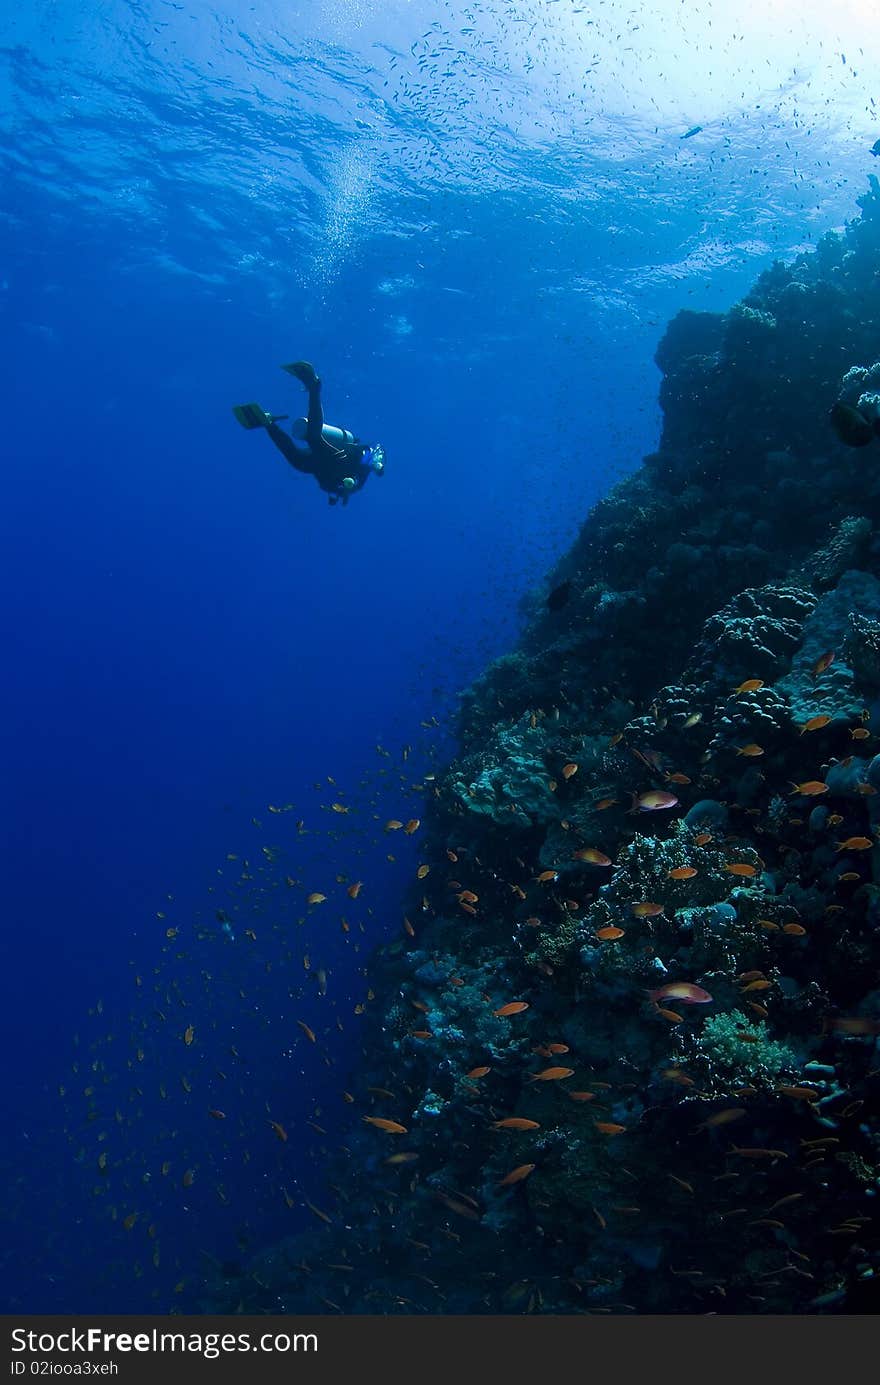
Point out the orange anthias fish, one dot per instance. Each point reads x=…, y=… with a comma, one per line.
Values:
x=753, y=1153
x=823, y=663
x=516, y=1175
x=682, y=1183
x=750, y=685
x=811, y=788
x=733, y=1113
x=592, y=856
x=741, y=868
x=478, y=1072
x=460, y=1207
x=609, y=1127
x=646, y=909
x=676, y=1075
x=550, y=1074
x=390, y=1127
x=569, y=770
x=513, y=1007
x=516, y=1123
x=653, y=800
x=751, y=751
x=855, y=844
x=856, y=1025
x=682, y=873
x=800, y=1093
x=681, y=990
x=609, y=934
x=815, y=724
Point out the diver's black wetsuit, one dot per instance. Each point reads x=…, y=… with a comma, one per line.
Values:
x=328, y=464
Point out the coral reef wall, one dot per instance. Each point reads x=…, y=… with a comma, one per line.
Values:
x=624, y=1053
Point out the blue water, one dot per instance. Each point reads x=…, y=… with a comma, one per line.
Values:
x=478, y=238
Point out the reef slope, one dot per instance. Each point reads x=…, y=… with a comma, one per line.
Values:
x=648, y=935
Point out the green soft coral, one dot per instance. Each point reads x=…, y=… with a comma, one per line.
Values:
x=731, y=1057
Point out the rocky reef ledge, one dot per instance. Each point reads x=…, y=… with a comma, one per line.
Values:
x=624, y=1053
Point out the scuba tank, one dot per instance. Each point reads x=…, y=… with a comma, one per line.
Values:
x=337, y=437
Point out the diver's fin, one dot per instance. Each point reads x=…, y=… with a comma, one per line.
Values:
x=251, y=416
x=304, y=371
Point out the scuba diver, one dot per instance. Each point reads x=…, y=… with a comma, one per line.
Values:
x=340, y=463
